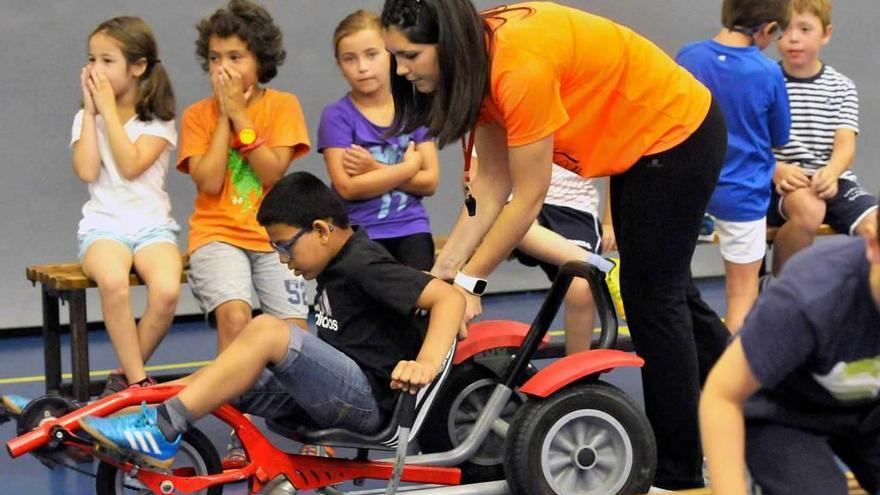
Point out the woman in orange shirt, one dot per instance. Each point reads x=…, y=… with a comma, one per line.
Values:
x=540, y=83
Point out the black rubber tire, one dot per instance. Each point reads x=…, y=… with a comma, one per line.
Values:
x=437, y=437
x=524, y=461
x=105, y=482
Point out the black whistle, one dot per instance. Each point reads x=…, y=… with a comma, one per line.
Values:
x=471, y=204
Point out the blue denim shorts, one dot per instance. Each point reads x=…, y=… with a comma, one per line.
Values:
x=317, y=380
x=134, y=242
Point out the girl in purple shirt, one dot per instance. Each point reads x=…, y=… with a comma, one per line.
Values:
x=381, y=178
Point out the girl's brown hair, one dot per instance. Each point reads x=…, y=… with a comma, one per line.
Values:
x=136, y=40
x=353, y=23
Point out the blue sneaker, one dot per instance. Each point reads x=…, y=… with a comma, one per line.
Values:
x=14, y=404
x=137, y=433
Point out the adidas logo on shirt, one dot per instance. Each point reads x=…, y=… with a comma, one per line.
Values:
x=322, y=320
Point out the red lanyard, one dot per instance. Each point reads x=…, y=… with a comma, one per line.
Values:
x=469, y=201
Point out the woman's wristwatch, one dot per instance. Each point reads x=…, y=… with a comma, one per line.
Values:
x=474, y=285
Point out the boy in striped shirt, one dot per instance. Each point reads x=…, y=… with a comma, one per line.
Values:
x=813, y=183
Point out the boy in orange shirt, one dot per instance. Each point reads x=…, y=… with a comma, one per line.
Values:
x=236, y=145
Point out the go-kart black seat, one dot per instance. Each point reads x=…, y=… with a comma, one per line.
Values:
x=409, y=412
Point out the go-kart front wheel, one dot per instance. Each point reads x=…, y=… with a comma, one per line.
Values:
x=588, y=439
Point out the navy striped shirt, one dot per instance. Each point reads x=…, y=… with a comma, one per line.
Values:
x=819, y=106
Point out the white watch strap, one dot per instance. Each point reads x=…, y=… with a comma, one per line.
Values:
x=467, y=282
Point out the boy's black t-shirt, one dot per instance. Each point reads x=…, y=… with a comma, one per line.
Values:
x=813, y=340
x=365, y=307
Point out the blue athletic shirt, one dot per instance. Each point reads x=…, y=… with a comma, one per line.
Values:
x=750, y=89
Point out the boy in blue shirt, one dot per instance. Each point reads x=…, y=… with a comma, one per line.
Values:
x=751, y=91
x=800, y=385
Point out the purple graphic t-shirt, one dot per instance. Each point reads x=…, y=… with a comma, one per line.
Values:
x=395, y=213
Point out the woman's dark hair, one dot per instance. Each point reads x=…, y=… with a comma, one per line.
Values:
x=136, y=40
x=459, y=33
x=253, y=25
x=752, y=14
x=298, y=200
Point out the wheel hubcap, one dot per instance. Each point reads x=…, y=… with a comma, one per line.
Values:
x=586, y=452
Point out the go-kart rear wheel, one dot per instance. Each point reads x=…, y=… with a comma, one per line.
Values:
x=196, y=457
x=43, y=409
x=454, y=414
x=589, y=439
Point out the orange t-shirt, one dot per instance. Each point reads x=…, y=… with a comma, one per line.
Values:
x=231, y=216
x=607, y=95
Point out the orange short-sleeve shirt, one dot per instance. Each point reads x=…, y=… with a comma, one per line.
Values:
x=607, y=95
x=231, y=216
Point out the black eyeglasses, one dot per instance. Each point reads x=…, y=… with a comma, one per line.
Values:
x=285, y=248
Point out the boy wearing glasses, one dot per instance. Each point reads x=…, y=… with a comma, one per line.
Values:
x=369, y=341
x=751, y=91
x=812, y=178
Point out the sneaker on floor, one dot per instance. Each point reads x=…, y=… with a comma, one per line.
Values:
x=655, y=489
x=138, y=434
x=612, y=279
x=116, y=382
x=14, y=404
x=707, y=229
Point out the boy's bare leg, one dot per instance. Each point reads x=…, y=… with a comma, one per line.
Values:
x=742, y=291
x=159, y=265
x=263, y=341
x=580, y=317
x=868, y=226
x=232, y=316
x=805, y=212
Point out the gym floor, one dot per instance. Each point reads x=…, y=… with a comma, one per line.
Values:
x=189, y=345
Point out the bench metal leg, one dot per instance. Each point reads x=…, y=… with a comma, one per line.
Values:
x=51, y=341
x=79, y=344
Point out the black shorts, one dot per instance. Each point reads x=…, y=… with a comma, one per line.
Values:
x=843, y=212
x=577, y=226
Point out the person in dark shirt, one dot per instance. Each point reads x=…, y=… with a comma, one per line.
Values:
x=800, y=385
x=370, y=341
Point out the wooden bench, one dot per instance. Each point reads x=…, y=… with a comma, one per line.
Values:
x=66, y=283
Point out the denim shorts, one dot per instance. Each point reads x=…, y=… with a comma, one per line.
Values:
x=315, y=379
x=220, y=272
x=134, y=242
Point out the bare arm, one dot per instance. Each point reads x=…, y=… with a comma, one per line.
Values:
x=86, y=157
x=446, y=306
x=824, y=181
x=491, y=190
x=609, y=239
x=529, y=175
x=208, y=171
x=132, y=159
x=722, y=424
x=375, y=182
x=269, y=163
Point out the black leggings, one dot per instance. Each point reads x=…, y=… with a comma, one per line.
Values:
x=657, y=206
x=415, y=250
